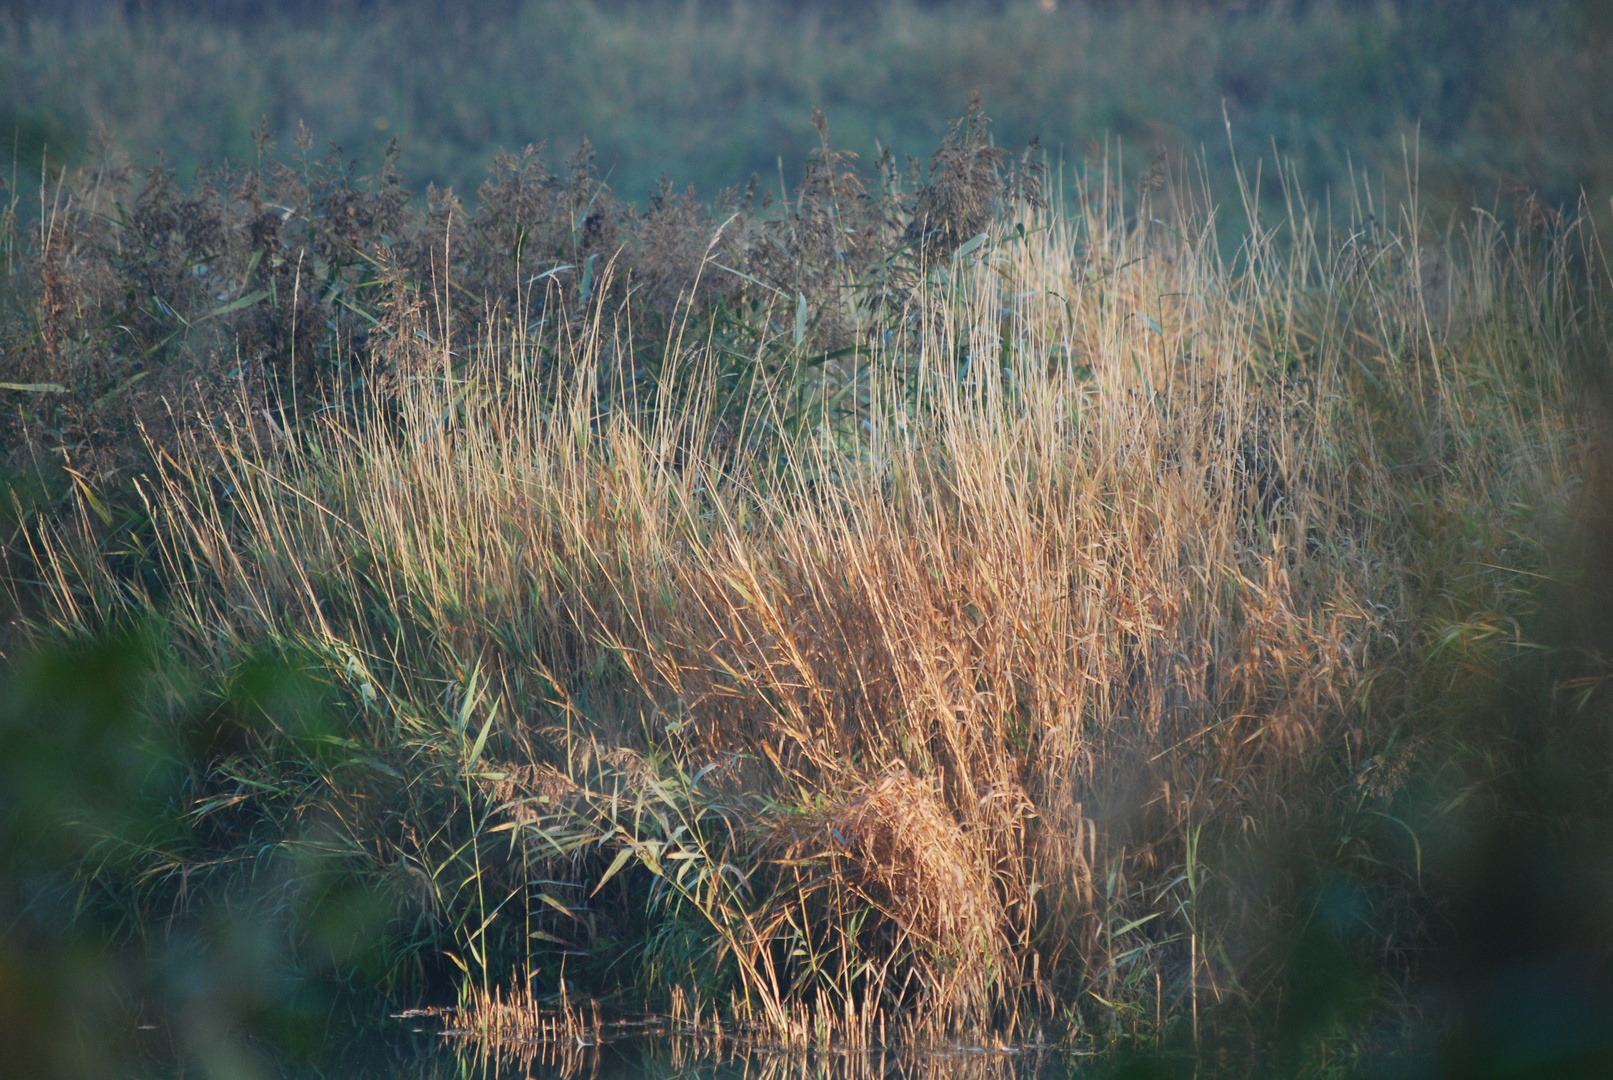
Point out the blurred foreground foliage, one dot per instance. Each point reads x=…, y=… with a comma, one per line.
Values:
x=138, y=931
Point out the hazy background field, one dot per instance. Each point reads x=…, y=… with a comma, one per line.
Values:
x=713, y=92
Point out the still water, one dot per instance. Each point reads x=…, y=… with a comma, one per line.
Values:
x=404, y=1048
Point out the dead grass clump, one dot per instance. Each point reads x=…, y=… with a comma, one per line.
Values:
x=893, y=850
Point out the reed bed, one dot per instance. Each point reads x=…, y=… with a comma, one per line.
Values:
x=977, y=678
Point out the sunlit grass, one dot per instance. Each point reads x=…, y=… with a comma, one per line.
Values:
x=952, y=684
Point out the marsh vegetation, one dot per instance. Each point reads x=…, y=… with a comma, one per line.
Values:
x=958, y=602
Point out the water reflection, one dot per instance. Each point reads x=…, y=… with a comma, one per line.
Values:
x=668, y=1058
x=405, y=1050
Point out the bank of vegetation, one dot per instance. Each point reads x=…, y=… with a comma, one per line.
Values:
x=926, y=606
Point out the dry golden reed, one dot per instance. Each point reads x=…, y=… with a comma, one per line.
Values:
x=952, y=709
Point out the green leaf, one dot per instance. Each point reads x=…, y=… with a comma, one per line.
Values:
x=621, y=860
x=89, y=497
x=753, y=281
x=481, y=739
x=1135, y=923
x=35, y=387
x=1150, y=323
x=544, y=935
x=373, y=321
x=971, y=246
x=558, y=906
x=468, y=702
x=1416, y=844
x=800, y=317
x=237, y=304
x=120, y=388
x=251, y=265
